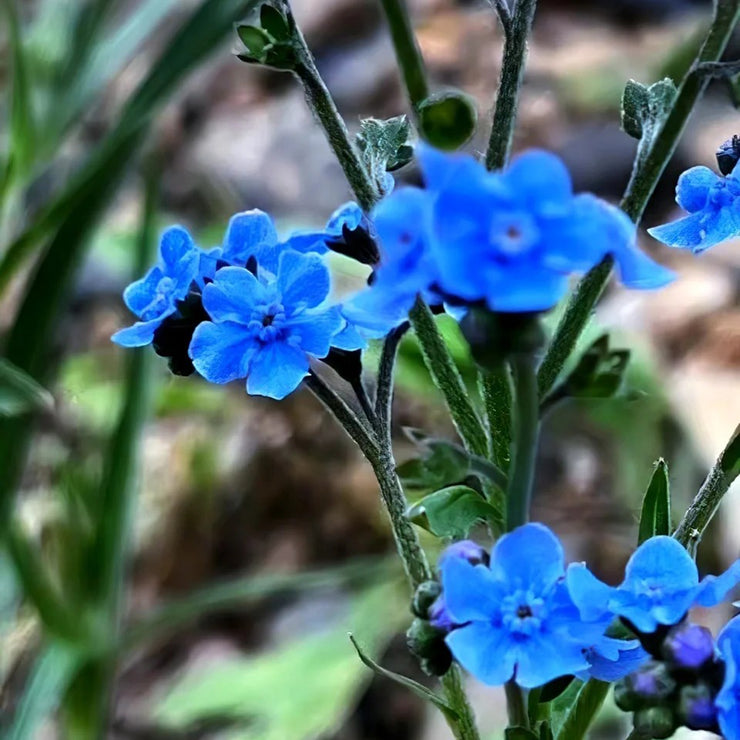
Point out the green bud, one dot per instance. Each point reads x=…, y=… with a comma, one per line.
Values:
x=447, y=119
x=426, y=594
x=428, y=644
x=656, y=722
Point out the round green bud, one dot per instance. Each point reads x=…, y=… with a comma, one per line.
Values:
x=426, y=594
x=428, y=644
x=447, y=119
x=655, y=722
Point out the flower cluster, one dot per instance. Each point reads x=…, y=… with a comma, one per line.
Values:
x=258, y=308
x=521, y=614
x=712, y=202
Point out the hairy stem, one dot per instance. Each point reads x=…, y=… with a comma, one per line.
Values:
x=322, y=105
x=447, y=378
x=510, y=83
x=495, y=388
x=386, y=367
x=644, y=178
x=465, y=728
x=524, y=447
x=707, y=500
x=407, y=49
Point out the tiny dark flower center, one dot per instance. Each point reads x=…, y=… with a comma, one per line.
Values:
x=524, y=611
x=267, y=320
x=513, y=233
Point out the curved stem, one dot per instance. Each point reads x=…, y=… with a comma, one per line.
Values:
x=524, y=448
x=386, y=366
x=510, y=82
x=408, y=54
x=641, y=186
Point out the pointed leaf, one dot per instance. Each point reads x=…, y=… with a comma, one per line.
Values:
x=453, y=511
x=656, y=506
x=417, y=688
x=578, y=716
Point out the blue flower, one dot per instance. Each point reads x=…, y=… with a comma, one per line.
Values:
x=611, y=659
x=728, y=699
x=713, y=205
x=156, y=295
x=661, y=584
x=267, y=328
x=517, y=619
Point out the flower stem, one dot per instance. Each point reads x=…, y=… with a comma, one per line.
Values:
x=524, y=448
x=707, y=500
x=386, y=367
x=644, y=178
x=408, y=54
x=447, y=378
x=322, y=104
x=465, y=728
x=510, y=82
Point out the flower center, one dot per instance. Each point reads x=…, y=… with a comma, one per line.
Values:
x=523, y=612
x=268, y=322
x=513, y=234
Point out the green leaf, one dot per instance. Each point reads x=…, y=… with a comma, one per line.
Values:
x=51, y=674
x=581, y=709
x=520, y=733
x=447, y=119
x=644, y=109
x=274, y=22
x=299, y=690
x=656, y=505
x=730, y=459
x=19, y=392
x=421, y=691
x=453, y=511
x=255, y=39
x=384, y=145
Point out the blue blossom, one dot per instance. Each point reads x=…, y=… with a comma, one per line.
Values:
x=266, y=328
x=713, y=205
x=661, y=584
x=156, y=295
x=728, y=699
x=517, y=619
x=611, y=659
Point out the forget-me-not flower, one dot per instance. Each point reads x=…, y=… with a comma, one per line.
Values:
x=661, y=584
x=516, y=617
x=156, y=295
x=266, y=328
x=728, y=699
x=713, y=204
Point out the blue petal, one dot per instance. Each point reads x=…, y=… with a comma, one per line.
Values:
x=663, y=562
x=471, y=591
x=489, y=653
x=303, y=280
x=175, y=244
x=349, y=215
x=686, y=233
x=440, y=169
x=234, y=294
x=529, y=557
x=524, y=288
x=316, y=330
x=589, y=594
x=208, y=264
x=543, y=657
x=630, y=657
x=637, y=270
x=277, y=370
x=349, y=338
x=138, y=335
x=139, y=295
x=727, y=702
x=713, y=589
x=251, y=233
x=693, y=188
x=222, y=352
x=306, y=242
x=540, y=180
x=723, y=225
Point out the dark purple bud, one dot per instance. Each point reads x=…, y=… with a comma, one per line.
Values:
x=728, y=155
x=468, y=550
x=696, y=707
x=688, y=646
x=652, y=682
x=440, y=617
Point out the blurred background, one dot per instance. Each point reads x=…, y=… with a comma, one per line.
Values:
x=94, y=104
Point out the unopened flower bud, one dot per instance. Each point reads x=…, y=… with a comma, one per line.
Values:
x=696, y=707
x=495, y=336
x=427, y=643
x=728, y=155
x=655, y=722
x=688, y=646
x=424, y=597
x=468, y=550
x=646, y=687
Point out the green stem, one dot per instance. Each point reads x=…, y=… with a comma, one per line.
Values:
x=447, y=378
x=707, y=500
x=495, y=388
x=510, y=83
x=516, y=705
x=465, y=727
x=639, y=190
x=321, y=103
x=524, y=447
x=408, y=54
x=386, y=367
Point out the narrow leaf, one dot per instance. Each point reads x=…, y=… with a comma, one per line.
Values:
x=656, y=506
x=51, y=674
x=19, y=392
x=417, y=688
x=581, y=713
